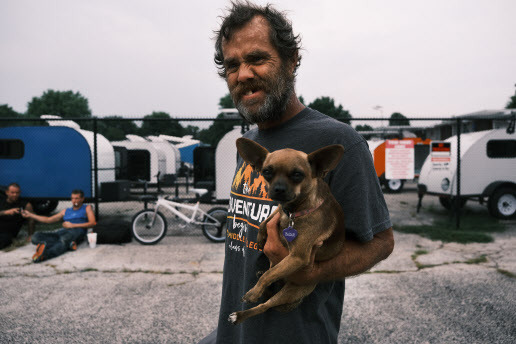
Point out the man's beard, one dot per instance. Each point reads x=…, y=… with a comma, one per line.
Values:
x=278, y=91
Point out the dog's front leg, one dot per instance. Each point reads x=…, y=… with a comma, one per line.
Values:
x=287, y=266
x=262, y=232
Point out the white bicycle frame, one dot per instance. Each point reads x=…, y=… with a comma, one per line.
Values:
x=171, y=205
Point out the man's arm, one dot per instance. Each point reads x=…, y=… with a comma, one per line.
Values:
x=9, y=212
x=31, y=224
x=45, y=219
x=91, y=220
x=355, y=257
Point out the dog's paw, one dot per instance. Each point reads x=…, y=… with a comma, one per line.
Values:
x=233, y=318
x=251, y=296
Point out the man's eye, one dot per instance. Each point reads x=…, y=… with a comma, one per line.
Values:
x=232, y=67
x=256, y=60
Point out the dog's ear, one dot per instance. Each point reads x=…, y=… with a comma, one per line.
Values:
x=325, y=159
x=252, y=153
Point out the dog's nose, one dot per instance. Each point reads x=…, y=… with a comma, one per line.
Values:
x=280, y=189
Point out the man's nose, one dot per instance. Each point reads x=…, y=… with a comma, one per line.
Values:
x=245, y=72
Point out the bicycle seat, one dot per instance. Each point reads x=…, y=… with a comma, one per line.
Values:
x=199, y=192
x=147, y=198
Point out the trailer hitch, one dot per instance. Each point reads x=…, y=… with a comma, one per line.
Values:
x=421, y=190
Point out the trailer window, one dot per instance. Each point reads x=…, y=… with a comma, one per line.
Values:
x=501, y=149
x=11, y=149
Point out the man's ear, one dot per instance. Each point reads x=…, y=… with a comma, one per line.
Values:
x=325, y=159
x=252, y=152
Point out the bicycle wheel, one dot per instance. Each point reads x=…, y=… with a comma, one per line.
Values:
x=149, y=229
x=210, y=230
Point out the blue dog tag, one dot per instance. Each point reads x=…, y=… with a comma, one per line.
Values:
x=289, y=233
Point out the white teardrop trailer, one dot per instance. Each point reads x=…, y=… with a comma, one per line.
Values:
x=487, y=172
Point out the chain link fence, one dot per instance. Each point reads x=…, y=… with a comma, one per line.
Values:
x=121, y=163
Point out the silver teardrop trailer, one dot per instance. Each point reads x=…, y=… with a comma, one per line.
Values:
x=487, y=173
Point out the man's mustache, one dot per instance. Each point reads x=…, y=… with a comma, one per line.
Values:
x=243, y=88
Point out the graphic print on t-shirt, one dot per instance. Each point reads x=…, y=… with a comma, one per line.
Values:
x=248, y=207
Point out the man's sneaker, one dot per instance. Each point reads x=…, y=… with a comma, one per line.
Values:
x=38, y=256
x=73, y=246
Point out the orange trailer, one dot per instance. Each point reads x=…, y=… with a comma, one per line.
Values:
x=421, y=151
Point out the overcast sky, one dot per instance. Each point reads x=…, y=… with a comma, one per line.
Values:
x=129, y=58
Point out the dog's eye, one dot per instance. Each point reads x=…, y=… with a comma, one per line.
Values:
x=297, y=176
x=267, y=173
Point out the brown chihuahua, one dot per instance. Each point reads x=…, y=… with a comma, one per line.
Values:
x=309, y=215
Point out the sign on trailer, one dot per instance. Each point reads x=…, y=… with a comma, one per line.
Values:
x=440, y=155
x=399, y=159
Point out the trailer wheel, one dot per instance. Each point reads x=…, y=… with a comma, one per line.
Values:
x=44, y=207
x=393, y=185
x=447, y=202
x=502, y=203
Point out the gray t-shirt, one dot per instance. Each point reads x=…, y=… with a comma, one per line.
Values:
x=355, y=186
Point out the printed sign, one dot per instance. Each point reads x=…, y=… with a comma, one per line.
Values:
x=399, y=159
x=440, y=155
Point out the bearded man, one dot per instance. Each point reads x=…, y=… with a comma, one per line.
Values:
x=258, y=55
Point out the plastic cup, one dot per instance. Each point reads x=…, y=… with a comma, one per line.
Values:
x=92, y=239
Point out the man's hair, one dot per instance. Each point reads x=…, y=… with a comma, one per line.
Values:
x=281, y=34
x=78, y=192
x=13, y=184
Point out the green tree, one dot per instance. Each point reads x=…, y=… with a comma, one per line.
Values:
x=66, y=104
x=218, y=129
x=7, y=112
x=511, y=104
x=226, y=102
x=364, y=127
x=167, y=125
x=398, y=119
x=192, y=130
x=301, y=99
x=326, y=105
x=114, y=128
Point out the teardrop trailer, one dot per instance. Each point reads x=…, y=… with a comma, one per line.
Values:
x=487, y=174
x=378, y=151
x=49, y=162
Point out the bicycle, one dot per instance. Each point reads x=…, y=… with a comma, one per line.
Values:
x=149, y=226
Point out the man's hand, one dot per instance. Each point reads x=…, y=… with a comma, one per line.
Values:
x=275, y=251
x=11, y=212
x=27, y=214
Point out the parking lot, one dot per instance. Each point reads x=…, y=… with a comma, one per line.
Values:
x=170, y=292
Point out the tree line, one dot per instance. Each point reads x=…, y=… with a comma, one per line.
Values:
x=69, y=104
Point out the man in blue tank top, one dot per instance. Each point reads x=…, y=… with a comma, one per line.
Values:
x=76, y=221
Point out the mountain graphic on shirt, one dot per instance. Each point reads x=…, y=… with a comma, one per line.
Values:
x=249, y=182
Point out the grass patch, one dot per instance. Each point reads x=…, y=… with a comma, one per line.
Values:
x=474, y=227
x=506, y=273
x=478, y=260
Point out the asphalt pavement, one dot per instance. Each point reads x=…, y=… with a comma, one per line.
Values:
x=426, y=292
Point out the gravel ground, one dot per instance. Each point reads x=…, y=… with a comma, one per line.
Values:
x=170, y=292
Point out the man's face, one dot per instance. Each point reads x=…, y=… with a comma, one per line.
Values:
x=77, y=200
x=13, y=194
x=259, y=82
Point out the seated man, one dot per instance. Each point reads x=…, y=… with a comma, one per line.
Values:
x=76, y=221
x=11, y=219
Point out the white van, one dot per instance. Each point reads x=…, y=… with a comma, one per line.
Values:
x=488, y=171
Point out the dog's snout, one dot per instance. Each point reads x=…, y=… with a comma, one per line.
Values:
x=280, y=188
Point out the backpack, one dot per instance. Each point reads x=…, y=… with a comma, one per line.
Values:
x=113, y=231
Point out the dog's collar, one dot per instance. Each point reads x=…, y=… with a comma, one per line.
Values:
x=293, y=215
